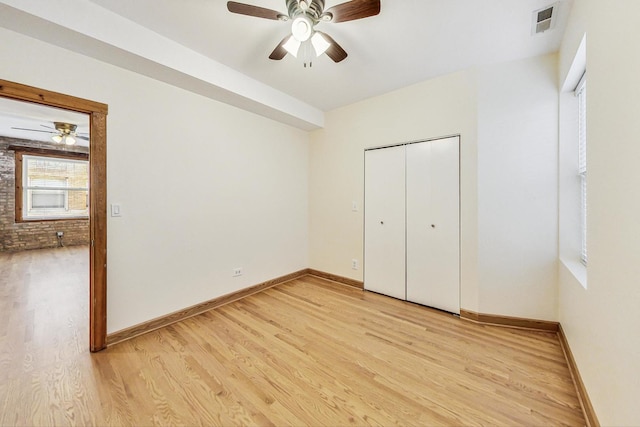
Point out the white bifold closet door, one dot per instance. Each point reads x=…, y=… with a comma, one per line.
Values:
x=433, y=224
x=412, y=223
x=384, y=222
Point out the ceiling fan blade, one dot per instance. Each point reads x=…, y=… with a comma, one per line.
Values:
x=86, y=138
x=34, y=130
x=335, y=51
x=48, y=127
x=280, y=52
x=354, y=9
x=250, y=10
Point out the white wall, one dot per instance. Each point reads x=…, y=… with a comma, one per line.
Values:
x=518, y=188
x=204, y=187
x=602, y=321
x=507, y=117
x=437, y=107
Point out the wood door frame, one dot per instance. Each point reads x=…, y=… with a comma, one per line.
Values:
x=98, y=195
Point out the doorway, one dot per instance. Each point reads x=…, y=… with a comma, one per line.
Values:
x=97, y=196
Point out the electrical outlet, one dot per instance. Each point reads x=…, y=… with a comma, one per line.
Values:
x=237, y=272
x=354, y=264
x=59, y=233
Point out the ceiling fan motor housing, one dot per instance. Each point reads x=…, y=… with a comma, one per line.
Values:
x=65, y=128
x=313, y=10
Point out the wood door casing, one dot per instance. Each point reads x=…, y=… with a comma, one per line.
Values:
x=98, y=194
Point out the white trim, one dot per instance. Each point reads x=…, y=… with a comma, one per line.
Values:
x=577, y=269
x=577, y=68
x=581, y=83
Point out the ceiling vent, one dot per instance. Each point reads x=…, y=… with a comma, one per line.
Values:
x=544, y=19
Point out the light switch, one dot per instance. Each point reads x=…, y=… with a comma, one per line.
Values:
x=116, y=210
x=354, y=206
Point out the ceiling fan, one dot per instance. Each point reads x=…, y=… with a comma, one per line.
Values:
x=304, y=16
x=63, y=133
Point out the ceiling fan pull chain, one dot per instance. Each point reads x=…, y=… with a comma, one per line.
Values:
x=305, y=51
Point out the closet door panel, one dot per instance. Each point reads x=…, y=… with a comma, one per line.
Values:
x=433, y=224
x=445, y=250
x=419, y=231
x=384, y=221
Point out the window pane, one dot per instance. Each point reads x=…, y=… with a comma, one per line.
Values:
x=583, y=216
x=43, y=199
x=78, y=200
x=582, y=129
x=582, y=165
x=50, y=172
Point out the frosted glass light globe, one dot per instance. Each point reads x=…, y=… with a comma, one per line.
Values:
x=301, y=28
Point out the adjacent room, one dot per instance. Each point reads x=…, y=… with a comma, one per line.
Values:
x=319, y=212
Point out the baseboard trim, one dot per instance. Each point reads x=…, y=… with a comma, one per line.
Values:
x=543, y=325
x=335, y=278
x=162, y=321
x=585, y=402
x=514, y=322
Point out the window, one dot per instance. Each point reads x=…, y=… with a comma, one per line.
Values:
x=51, y=188
x=581, y=93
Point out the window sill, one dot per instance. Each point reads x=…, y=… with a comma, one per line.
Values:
x=77, y=218
x=577, y=269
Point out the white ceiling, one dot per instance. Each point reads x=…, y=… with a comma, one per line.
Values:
x=409, y=42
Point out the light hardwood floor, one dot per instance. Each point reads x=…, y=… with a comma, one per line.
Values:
x=308, y=352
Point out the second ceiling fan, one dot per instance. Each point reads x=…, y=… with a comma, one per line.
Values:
x=63, y=133
x=304, y=16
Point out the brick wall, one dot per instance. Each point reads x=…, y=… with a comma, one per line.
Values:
x=17, y=236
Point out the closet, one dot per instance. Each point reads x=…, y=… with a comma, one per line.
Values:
x=412, y=222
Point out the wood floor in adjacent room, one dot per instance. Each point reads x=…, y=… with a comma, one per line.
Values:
x=308, y=352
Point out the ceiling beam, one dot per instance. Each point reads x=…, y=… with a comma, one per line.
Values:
x=86, y=28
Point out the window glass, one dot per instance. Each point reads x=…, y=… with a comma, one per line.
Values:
x=581, y=92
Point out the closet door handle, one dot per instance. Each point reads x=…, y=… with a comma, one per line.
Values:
x=382, y=222
x=433, y=226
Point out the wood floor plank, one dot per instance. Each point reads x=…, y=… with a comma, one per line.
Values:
x=307, y=352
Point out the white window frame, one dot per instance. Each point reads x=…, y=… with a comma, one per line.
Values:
x=30, y=214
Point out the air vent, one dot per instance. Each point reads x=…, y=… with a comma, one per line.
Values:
x=544, y=19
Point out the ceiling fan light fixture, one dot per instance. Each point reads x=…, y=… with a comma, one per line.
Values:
x=301, y=28
x=320, y=44
x=69, y=140
x=304, y=15
x=57, y=139
x=292, y=46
